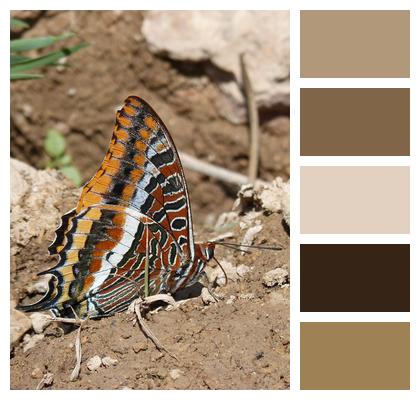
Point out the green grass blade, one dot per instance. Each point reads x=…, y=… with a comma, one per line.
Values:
x=48, y=59
x=18, y=24
x=16, y=76
x=16, y=59
x=18, y=45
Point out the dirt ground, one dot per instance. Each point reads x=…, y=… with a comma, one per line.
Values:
x=240, y=342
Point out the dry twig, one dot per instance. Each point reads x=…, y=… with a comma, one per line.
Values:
x=214, y=171
x=253, y=121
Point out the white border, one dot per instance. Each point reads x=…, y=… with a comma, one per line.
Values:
x=296, y=83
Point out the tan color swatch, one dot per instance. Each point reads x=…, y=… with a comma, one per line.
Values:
x=355, y=200
x=355, y=355
x=355, y=44
x=355, y=122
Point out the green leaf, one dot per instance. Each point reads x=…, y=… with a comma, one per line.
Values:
x=72, y=173
x=18, y=24
x=17, y=75
x=18, y=45
x=54, y=143
x=48, y=59
x=63, y=160
x=17, y=58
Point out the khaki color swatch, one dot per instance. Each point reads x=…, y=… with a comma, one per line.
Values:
x=342, y=270
x=355, y=200
x=355, y=355
x=355, y=44
x=355, y=122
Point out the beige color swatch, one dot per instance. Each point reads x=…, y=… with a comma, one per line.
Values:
x=355, y=355
x=355, y=200
x=355, y=44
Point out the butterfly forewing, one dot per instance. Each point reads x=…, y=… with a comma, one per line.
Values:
x=136, y=204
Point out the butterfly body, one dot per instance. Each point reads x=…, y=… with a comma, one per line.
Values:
x=131, y=232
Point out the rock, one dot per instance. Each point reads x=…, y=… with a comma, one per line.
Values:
x=142, y=346
x=242, y=270
x=231, y=299
x=37, y=373
x=108, y=362
x=40, y=321
x=220, y=37
x=38, y=194
x=250, y=236
x=175, y=374
x=275, y=197
x=278, y=276
x=94, y=363
x=29, y=342
x=19, y=324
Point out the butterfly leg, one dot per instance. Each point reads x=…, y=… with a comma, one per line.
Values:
x=139, y=305
x=207, y=293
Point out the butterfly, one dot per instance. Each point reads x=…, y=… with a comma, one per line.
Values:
x=131, y=232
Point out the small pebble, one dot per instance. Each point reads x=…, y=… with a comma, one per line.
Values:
x=71, y=92
x=242, y=270
x=94, y=363
x=108, y=362
x=26, y=110
x=142, y=346
x=126, y=335
x=40, y=321
x=37, y=373
x=230, y=300
x=278, y=276
x=175, y=374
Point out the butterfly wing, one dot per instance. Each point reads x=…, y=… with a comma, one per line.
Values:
x=136, y=205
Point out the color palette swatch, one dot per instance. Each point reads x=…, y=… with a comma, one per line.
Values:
x=349, y=191
x=355, y=122
x=355, y=356
x=355, y=44
x=355, y=199
x=355, y=277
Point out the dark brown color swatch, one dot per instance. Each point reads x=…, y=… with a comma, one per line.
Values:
x=354, y=277
x=355, y=122
x=355, y=44
x=355, y=355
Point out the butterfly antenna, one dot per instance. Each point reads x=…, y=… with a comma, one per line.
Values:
x=238, y=246
x=224, y=272
x=232, y=247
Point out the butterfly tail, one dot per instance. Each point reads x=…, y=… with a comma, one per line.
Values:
x=50, y=298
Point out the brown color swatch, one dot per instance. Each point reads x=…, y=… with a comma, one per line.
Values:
x=355, y=277
x=355, y=44
x=355, y=122
x=355, y=355
x=355, y=200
